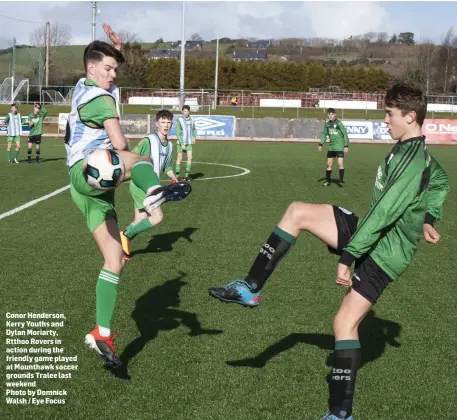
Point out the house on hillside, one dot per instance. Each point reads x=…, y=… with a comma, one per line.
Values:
x=190, y=45
x=260, y=44
x=156, y=54
x=249, y=55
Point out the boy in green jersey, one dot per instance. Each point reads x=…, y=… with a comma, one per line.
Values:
x=14, y=130
x=36, y=119
x=339, y=145
x=408, y=196
x=159, y=149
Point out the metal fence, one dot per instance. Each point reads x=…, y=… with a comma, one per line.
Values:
x=207, y=100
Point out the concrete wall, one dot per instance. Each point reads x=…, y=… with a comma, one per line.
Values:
x=304, y=128
x=135, y=124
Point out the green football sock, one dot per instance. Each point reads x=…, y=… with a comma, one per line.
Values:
x=106, y=293
x=188, y=166
x=16, y=154
x=8, y=154
x=143, y=175
x=178, y=169
x=135, y=228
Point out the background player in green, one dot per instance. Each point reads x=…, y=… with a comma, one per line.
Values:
x=339, y=145
x=93, y=124
x=186, y=135
x=408, y=196
x=36, y=130
x=159, y=149
x=14, y=130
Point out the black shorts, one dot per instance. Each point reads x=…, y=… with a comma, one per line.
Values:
x=368, y=279
x=35, y=139
x=335, y=154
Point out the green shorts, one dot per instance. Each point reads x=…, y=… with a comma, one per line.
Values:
x=179, y=148
x=17, y=139
x=137, y=194
x=96, y=206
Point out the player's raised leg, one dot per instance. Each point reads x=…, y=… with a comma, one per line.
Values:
x=318, y=219
x=141, y=171
x=141, y=223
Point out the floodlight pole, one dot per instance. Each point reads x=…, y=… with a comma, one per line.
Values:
x=13, y=69
x=183, y=48
x=216, y=73
x=48, y=42
x=94, y=19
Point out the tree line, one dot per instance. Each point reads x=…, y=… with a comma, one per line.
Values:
x=140, y=72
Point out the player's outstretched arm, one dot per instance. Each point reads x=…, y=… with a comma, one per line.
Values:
x=43, y=112
x=113, y=36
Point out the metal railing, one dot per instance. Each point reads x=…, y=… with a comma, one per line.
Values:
x=247, y=101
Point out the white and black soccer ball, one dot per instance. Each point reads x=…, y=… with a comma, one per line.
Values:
x=103, y=169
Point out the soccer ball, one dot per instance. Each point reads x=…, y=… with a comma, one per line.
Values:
x=103, y=169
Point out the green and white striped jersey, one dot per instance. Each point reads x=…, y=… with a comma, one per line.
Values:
x=159, y=152
x=185, y=131
x=90, y=107
x=14, y=125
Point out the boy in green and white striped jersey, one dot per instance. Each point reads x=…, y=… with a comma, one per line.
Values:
x=186, y=135
x=14, y=129
x=158, y=148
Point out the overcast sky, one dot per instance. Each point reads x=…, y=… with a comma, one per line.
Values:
x=260, y=19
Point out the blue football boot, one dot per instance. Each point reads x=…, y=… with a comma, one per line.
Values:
x=237, y=291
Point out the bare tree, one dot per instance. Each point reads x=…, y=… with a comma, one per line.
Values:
x=369, y=36
x=427, y=53
x=196, y=37
x=60, y=35
x=382, y=37
x=446, y=56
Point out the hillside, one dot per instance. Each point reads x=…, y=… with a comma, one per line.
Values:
x=395, y=59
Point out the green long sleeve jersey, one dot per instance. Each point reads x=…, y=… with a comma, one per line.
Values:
x=337, y=134
x=410, y=187
x=37, y=119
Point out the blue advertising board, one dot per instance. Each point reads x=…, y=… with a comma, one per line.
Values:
x=359, y=129
x=380, y=131
x=210, y=125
